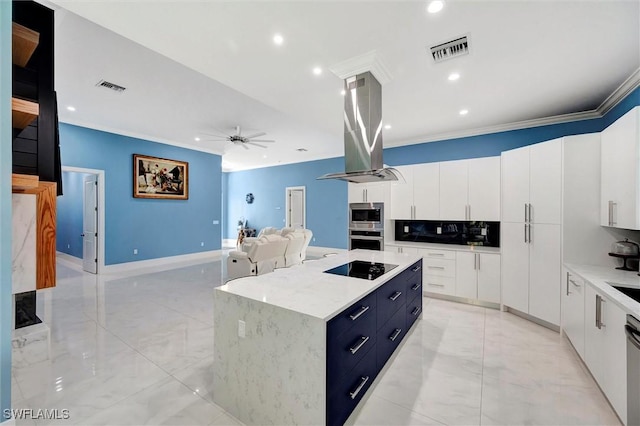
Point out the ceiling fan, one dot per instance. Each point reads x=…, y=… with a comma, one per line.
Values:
x=238, y=139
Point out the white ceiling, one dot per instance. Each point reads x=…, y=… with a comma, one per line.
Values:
x=200, y=65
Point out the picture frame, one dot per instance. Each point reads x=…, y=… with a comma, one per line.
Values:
x=160, y=178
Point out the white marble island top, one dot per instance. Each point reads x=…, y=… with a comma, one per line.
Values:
x=306, y=289
x=602, y=277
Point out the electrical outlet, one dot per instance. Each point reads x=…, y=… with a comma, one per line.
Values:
x=483, y=231
x=135, y=251
x=201, y=243
x=439, y=230
x=241, y=328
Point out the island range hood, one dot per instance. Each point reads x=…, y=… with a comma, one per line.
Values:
x=363, y=132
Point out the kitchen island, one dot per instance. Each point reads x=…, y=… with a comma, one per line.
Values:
x=302, y=346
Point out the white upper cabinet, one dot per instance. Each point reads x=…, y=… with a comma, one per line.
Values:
x=545, y=184
x=418, y=196
x=470, y=189
x=532, y=183
x=401, y=195
x=515, y=184
x=484, y=189
x=621, y=172
x=426, y=191
x=454, y=187
x=374, y=192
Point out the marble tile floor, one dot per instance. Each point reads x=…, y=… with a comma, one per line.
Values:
x=137, y=348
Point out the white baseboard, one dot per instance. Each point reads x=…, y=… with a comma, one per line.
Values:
x=162, y=262
x=68, y=260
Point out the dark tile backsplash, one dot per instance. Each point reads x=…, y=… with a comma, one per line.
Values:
x=462, y=233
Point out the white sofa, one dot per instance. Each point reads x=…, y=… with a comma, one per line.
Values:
x=280, y=249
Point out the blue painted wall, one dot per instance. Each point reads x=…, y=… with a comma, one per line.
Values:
x=69, y=214
x=157, y=228
x=326, y=199
x=328, y=211
x=5, y=207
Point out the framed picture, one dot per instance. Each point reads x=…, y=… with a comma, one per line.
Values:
x=160, y=178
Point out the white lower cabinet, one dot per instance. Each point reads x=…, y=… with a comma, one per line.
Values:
x=400, y=249
x=439, y=271
x=478, y=276
x=605, y=347
x=573, y=294
x=531, y=268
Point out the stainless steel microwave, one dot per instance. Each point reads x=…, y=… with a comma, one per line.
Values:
x=366, y=216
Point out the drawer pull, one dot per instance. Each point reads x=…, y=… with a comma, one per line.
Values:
x=395, y=296
x=363, y=381
x=416, y=311
x=416, y=286
x=436, y=267
x=435, y=285
x=436, y=254
x=359, y=313
x=356, y=348
x=395, y=334
x=416, y=269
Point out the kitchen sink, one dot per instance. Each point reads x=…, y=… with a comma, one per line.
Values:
x=633, y=293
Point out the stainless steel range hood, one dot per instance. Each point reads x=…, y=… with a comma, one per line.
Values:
x=363, y=132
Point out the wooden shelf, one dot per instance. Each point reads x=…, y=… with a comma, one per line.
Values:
x=23, y=112
x=24, y=43
x=20, y=183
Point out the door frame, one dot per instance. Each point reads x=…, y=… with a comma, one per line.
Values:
x=287, y=217
x=101, y=234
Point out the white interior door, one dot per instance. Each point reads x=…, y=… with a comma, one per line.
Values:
x=296, y=207
x=90, y=224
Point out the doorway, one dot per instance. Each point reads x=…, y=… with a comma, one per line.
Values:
x=296, y=207
x=85, y=229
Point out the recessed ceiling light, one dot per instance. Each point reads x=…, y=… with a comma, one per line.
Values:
x=464, y=111
x=278, y=39
x=343, y=92
x=435, y=6
x=387, y=126
x=454, y=76
x=70, y=108
x=264, y=156
x=196, y=139
x=317, y=70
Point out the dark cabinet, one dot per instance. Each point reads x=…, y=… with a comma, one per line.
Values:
x=362, y=338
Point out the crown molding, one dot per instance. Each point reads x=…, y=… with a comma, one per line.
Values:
x=141, y=136
x=371, y=61
x=628, y=86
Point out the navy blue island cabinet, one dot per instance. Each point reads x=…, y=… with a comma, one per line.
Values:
x=362, y=338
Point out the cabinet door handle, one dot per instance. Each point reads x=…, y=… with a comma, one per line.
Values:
x=526, y=215
x=530, y=214
x=356, y=391
x=525, y=233
x=416, y=269
x=395, y=334
x=360, y=344
x=614, y=211
x=568, y=284
x=395, y=296
x=434, y=285
x=530, y=226
x=599, y=302
x=357, y=315
x=475, y=262
x=478, y=261
x=417, y=286
x=435, y=267
x=435, y=254
x=416, y=311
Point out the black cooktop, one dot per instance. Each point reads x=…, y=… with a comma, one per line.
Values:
x=360, y=269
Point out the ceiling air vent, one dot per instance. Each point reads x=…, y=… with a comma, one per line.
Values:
x=450, y=49
x=111, y=86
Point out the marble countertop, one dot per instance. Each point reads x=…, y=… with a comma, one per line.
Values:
x=308, y=290
x=453, y=247
x=600, y=277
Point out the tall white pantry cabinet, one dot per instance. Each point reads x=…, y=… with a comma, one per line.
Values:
x=531, y=227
